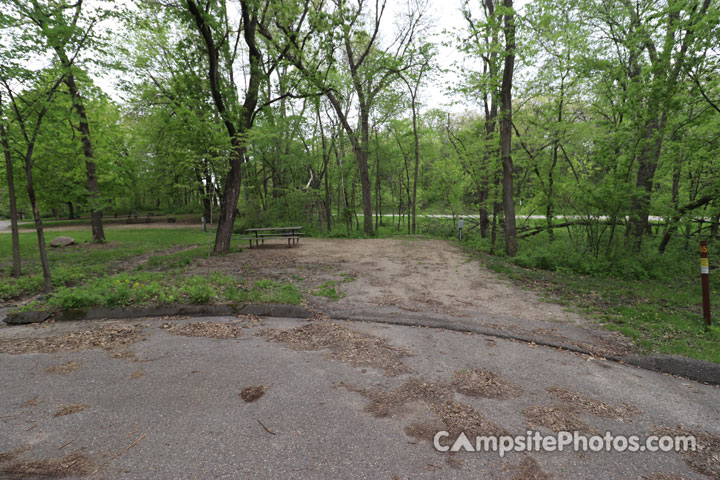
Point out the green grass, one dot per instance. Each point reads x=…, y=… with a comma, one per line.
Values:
x=653, y=299
x=269, y=291
x=327, y=289
x=157, y=288
x=79, y=263
x=89, y=275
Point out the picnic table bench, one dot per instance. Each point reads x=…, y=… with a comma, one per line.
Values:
x=292, y=234
x=133, y=218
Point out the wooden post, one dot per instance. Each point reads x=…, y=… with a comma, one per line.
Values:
x=705, y=280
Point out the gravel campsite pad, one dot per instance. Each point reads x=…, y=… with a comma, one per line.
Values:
x=241, y=397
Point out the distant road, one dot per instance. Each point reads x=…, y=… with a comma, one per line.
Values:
x=652, y=218
x=4, y=224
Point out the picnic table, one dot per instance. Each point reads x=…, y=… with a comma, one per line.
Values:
x=292, y=234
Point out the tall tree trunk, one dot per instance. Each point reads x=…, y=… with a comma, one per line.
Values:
x=237, y=133
x=47, y=280
x=506, y=130
x=41, y=18
x=493, y=228
x=484, y=216
x=647, y=164
x=417, y=161
x=98, y=233
x=11, y=194
x=377, y=181
x=228, y=202
x=205, y=192
x=550, y=210
x=326, y=161
x=71, y=211
x=364, y=170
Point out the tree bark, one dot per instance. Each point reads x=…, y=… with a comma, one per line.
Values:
x=362, y=156
x=41, y=19
x=228, y=203
x=326, y=161
x=377, y=182
x=417, y=162
x=550, y=210
x=506, y=130
x=98, y=233
x=236, y=132
x=11, y=194
x=47, y=280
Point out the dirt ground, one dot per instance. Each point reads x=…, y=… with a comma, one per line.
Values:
x=411, y=274
x=415, y=276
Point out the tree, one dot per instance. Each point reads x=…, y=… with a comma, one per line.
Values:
x=67, y=37
x=371, y=67
x=495, y=84
x=11, y=192
x=29, y=117
x=413, y=79
x=648, y=59
x=212, y=25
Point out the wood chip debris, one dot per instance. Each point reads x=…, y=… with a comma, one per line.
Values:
x=108, y=337
x=70, y=409
x=347, y=346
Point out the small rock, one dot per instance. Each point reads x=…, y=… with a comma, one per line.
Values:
x=62, y=241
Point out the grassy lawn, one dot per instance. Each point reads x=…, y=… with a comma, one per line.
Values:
x=136, y=267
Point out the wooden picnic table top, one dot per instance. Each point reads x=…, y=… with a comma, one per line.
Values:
x=271, y=228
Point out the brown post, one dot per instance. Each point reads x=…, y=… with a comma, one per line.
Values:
x=705, y=280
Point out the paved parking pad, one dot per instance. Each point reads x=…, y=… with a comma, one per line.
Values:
x=283, y=398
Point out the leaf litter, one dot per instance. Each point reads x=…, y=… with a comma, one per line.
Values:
x=71, y=465
x=484, y=384
x=705, y=460
x=564, y=416
x=64, y=368
x=451, y=416
x=70, y=409
x=586, y=404
x=108, y=337
x=556, y=417
x=224, y=330
x=528, y=469
x=250, y=394
x=347, y=346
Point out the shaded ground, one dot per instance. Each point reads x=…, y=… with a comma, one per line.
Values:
x=415, y=276
x=283, y=398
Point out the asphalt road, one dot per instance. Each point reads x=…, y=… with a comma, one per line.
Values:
x=171, y=409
